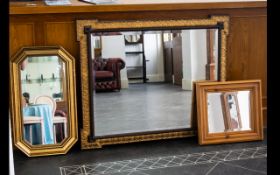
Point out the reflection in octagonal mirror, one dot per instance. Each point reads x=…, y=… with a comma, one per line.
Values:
x=44, y=102
x=44, y=108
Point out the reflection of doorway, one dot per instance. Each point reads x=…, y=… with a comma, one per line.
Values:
x=172, y=45
x=231, y=111
x=210, y=66
x=168, y=62
x=177, y=59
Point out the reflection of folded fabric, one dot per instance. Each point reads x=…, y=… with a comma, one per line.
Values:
x=45, y=111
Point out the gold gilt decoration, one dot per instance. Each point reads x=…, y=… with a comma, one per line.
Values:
x=147, y=24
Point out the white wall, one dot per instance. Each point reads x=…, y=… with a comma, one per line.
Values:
x=215, y=113
x=194, y=53
x=244, y=108
x=187, y=60
x=47, y=66
x=114, y=47
x=216, y=51
x=154, y=53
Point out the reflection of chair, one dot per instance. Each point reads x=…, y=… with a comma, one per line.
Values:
x=107, y=73
x=32, y=121
x=56, y=119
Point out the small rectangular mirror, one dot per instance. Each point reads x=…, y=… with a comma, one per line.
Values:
x=229, y=111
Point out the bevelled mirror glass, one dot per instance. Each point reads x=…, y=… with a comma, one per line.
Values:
x=43, y=103
x=229, y=111
x=156, y=74
x=137, y=76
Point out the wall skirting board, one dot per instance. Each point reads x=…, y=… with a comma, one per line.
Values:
x=124, y=83
x=155, y=78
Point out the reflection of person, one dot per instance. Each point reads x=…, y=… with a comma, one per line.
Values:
x=234, y=124
x=23, y=101
x=26, y=97
x=23, y=64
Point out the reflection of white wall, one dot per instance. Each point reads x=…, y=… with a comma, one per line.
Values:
x=154, y=53
x=45, y=66
x=95, y=43
x=215, y=51
x=194, y=54
x=114, y=47
x=215, y=113
x=244, y=108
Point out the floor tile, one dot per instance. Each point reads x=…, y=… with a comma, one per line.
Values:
x=231, y=169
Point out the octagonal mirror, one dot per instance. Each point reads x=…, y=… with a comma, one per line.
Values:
x=43, y=100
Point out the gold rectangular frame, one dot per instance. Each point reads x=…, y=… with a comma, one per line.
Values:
x=83, y=27
x=256, y=133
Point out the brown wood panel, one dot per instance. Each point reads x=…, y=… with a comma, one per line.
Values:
x=63, y=34
x=264, y=108
x=61, y=105
x=247, y=51
x=21, y=34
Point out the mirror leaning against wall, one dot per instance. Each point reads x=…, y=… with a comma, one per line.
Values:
x=229, y=111
x=157, y=62
x=43, y=100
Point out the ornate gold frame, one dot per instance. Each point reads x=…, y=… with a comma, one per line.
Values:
x=122, y=25
x=16, y=108
x=256, y=133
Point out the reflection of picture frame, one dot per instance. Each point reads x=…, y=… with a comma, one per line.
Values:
x=231, y=111
x=251, y=131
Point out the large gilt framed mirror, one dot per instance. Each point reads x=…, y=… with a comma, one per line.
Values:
x=137, y=76
x=229, y=111
x=43, y=100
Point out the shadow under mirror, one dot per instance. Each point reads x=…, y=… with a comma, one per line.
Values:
x=143, y=80
x=44, y=100
x=228, y=111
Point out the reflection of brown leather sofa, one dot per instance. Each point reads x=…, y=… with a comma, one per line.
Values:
x=107, y=73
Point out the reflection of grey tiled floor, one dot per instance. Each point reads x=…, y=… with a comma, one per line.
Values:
x=143, y=107
x=213, y=162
